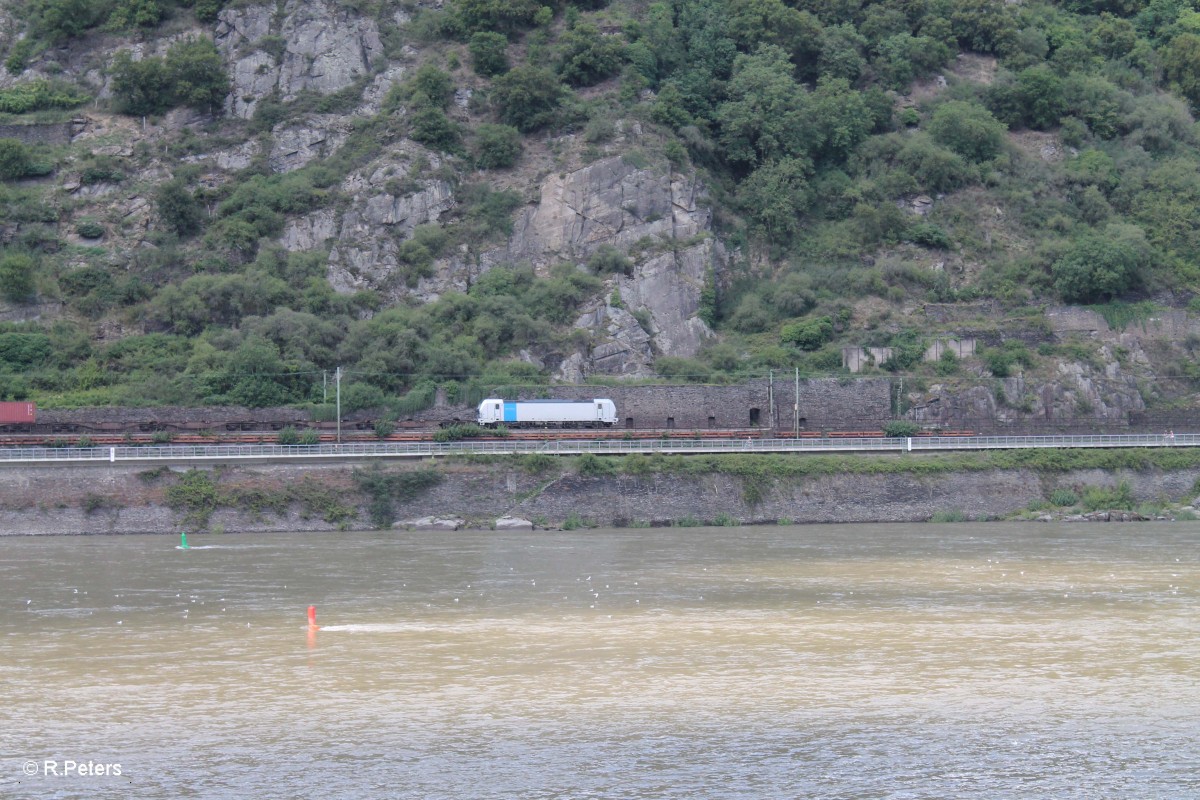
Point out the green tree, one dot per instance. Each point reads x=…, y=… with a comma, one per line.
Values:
x=504, y=16
x=842, y=50
x=196, y=74
x=1181, y=63
x=16, y=276
x=15, y=161
x=141, y=87
x=1102, y=266
x=135, y=13
x=808, y=334
x=842, y=119
x=489, y=53
x=1034, y=100
x=968, y=129
x=496, y=146
x=58, y=20
x=984, y=26
x=430, y=126
x=587, y=56
x=528, y=97
x=776, y=196
x=431, y=86
x=768, y=115
x=178, y=208
x=753, y=23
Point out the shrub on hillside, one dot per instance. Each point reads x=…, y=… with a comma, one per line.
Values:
x=808, y=334
x=528, y=97
x=496, y=146
x=489, y=53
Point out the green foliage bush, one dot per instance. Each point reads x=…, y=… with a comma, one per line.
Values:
x=899, y=428
x=587, y=57
x=454, y=433
x=59, y=20
x=89, y=228
x=15, y=160
x=178, y=208
x=528, y=97
x=608, y=260
x=594, y=466
x=16, y=276
x=40, y=94
x=968, y=129
x=504, y=16
x=431, y=127
x=191, y=74
x=1063, y=497
x=489, y=53
x=496, y=146
x=135, y=14
x=1120, y=497
x=808, y=334
x=1102, y=266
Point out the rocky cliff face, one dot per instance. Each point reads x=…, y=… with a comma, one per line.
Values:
x=649, y=212
x=318, y=46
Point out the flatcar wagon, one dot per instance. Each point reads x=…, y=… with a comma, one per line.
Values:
x=595, y=413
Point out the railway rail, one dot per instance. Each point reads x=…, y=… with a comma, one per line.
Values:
x=424, y=435
x=358, y=451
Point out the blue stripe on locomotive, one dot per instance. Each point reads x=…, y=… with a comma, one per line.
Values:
x=510, y=412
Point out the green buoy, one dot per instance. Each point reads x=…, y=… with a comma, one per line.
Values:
x=183, y=545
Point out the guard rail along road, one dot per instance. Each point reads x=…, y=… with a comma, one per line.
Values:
x=192, y=454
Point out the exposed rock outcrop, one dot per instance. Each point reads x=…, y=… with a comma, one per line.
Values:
x=609, y=202
x=316, y=136
x=620, y=346
x=318, y=46
x=657, y=218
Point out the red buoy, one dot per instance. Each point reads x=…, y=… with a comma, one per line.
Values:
x=312, y=616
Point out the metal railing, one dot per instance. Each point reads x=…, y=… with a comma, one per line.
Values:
x=371, y=450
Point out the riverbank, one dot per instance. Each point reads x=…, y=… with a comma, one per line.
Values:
x=588, y=491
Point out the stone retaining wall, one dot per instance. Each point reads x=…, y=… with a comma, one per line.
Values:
x=52, y=500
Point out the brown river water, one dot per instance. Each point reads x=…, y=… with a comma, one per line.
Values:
x=840, y=661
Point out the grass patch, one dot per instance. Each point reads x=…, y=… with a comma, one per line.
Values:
x=949, y=516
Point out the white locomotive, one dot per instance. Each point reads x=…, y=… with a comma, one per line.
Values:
x=599, y=413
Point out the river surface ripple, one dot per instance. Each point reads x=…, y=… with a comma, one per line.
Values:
x=847, y=661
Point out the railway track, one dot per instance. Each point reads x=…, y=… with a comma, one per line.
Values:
x=426, y=435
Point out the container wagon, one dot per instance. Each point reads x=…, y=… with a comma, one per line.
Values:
x=17, y=417
x=548, y=413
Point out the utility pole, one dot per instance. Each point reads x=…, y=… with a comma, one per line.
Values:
x=796, y=406
x=771, y=400
x=324, y=386
x=337, y=379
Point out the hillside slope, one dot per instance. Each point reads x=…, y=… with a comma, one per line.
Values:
x=222, y=202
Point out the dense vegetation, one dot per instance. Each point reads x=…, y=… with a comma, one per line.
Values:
x=1059, y=155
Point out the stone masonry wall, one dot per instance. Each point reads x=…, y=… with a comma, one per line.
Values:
x=52, y=500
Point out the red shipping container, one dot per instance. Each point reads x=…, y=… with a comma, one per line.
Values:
x=17, y=413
